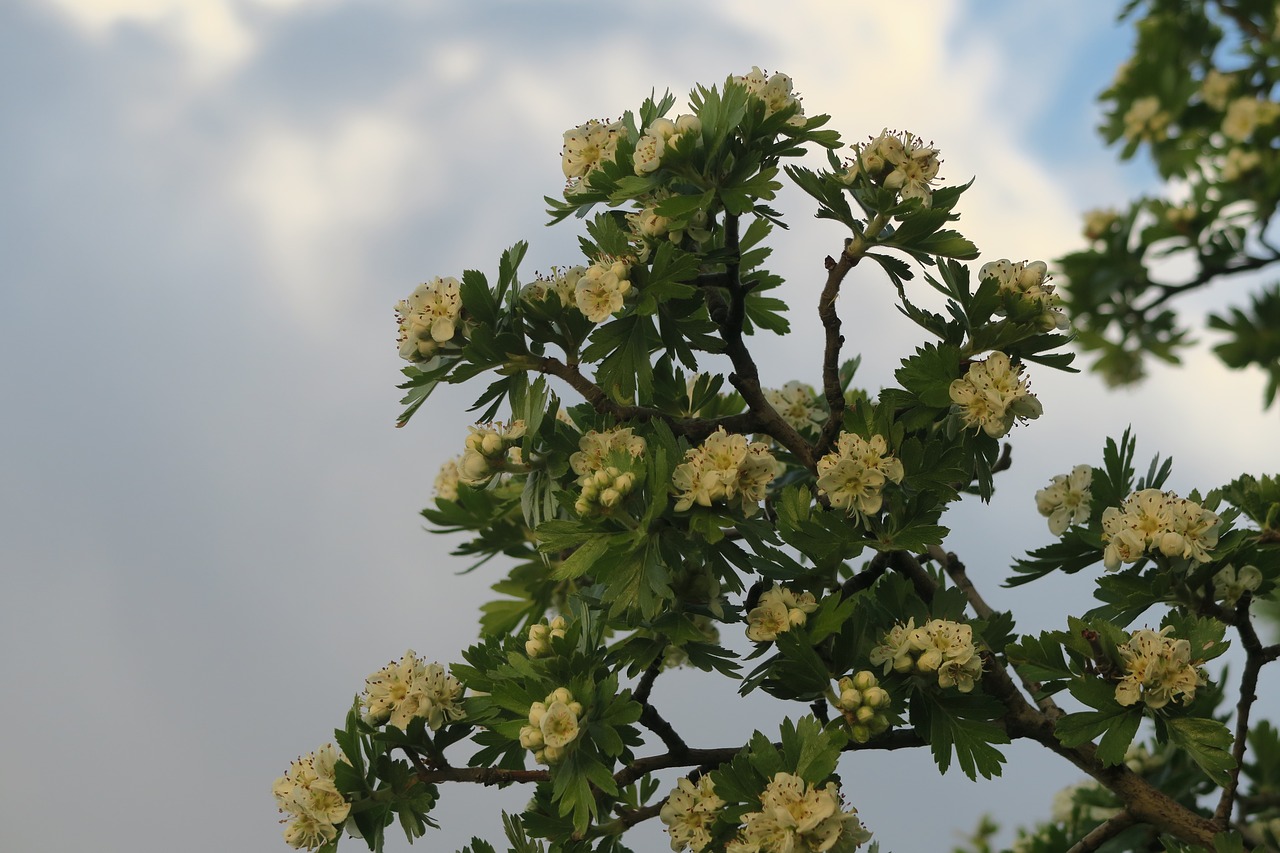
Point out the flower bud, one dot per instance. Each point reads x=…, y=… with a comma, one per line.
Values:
x=864, y=714
x=536, y=712
x=864, y=680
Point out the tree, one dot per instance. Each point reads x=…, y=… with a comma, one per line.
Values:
x=1198, y=96
x=660, y=505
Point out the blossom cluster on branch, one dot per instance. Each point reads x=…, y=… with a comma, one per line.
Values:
x=641, y=502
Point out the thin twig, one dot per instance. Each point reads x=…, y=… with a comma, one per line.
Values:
x=1103, y=833
x=1253, y=663
x=960, y=577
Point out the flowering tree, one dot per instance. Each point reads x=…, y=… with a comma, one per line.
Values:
x=644, y=505
x=1199, y=96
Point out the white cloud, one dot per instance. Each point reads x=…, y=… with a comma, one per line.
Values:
x=214, y=37
x=318, y=194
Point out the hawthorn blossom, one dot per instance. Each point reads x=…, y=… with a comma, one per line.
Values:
x=992, y=395
x=428, y=318
x=863, y=702
x=540, y=635
x=852, y=476
x=1146, y=120
x=446, y=483
x=1215, y=89
x=602, y=289
x=1230, y=584
x=409, y=688
x=1066, y=500
x=778, y=610
x=309, y=796
x=689, y=812
x=940, y=646
x=797, y=816
x=1157, y=669
x=553, y=725
x=725, y=468
x=798, y=405
x=563, y=283
x=1028, y=282
x=587, y=146
x=1151, y=520
x=487, y=450
x=1098, y=222
x=1245, y=115
x=898, y=161
x=775, y=91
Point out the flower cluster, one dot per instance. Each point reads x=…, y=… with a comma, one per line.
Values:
x=563, y=283
x=898, y=161
x=1157, y=669
x=1230, y=584
x=778, y=610
x=993, y=394
x=586, y=147
x=661, y=135
x=938, y=646
x=429, y=318
x=1027, y=282
x=311, y=799
x=1067, y=498
x=540, y=634
x=1146, y=120
x=725, y=468
x=446, y=484
x=775, y=91
x=1098, y=222
x=689, y=812
x=798, y=405
x=409, y=688
x=852, y=476
x=487, y=450
x=1152, y=520
x=797, y=816
x=602, y=288
x=1215, y=89
x=1245, y=115
x=863, y=702
x=1239, y=162
x=604, y=465
x=553, y=725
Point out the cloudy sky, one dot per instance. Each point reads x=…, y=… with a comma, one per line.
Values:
x=208, y=526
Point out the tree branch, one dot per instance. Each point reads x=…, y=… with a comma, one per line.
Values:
x=1254, y=660
x=1103, y=833
x=854, y=250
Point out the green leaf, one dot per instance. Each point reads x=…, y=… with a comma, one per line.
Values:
x=960, y=724
x=1116, y=724
x=584, y=558
x=1207, y=742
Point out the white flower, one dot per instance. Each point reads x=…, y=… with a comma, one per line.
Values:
x=1151, y=520
x=1028, y=282
x=429, y=318
x=852, y=475
x=587, y=146
x=778, y=610
x=409, y=688
x=992, y=395
x=1230, y=584
x=309, y=795
x=446, y=484
x=601, y=289
x=797, y=816
x=775, y=91
x=540, y=635
x=1158, y=669
x=1245, y=115
x=1098, y=222
x=689, y=812
x=798, y=405
x=487, y=450
x=725, y=468
x=553, y=725
x=1066, y=500
x=1216, y=88
x=1145, y=120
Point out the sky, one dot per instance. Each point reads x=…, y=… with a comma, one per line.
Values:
x=208, y=524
